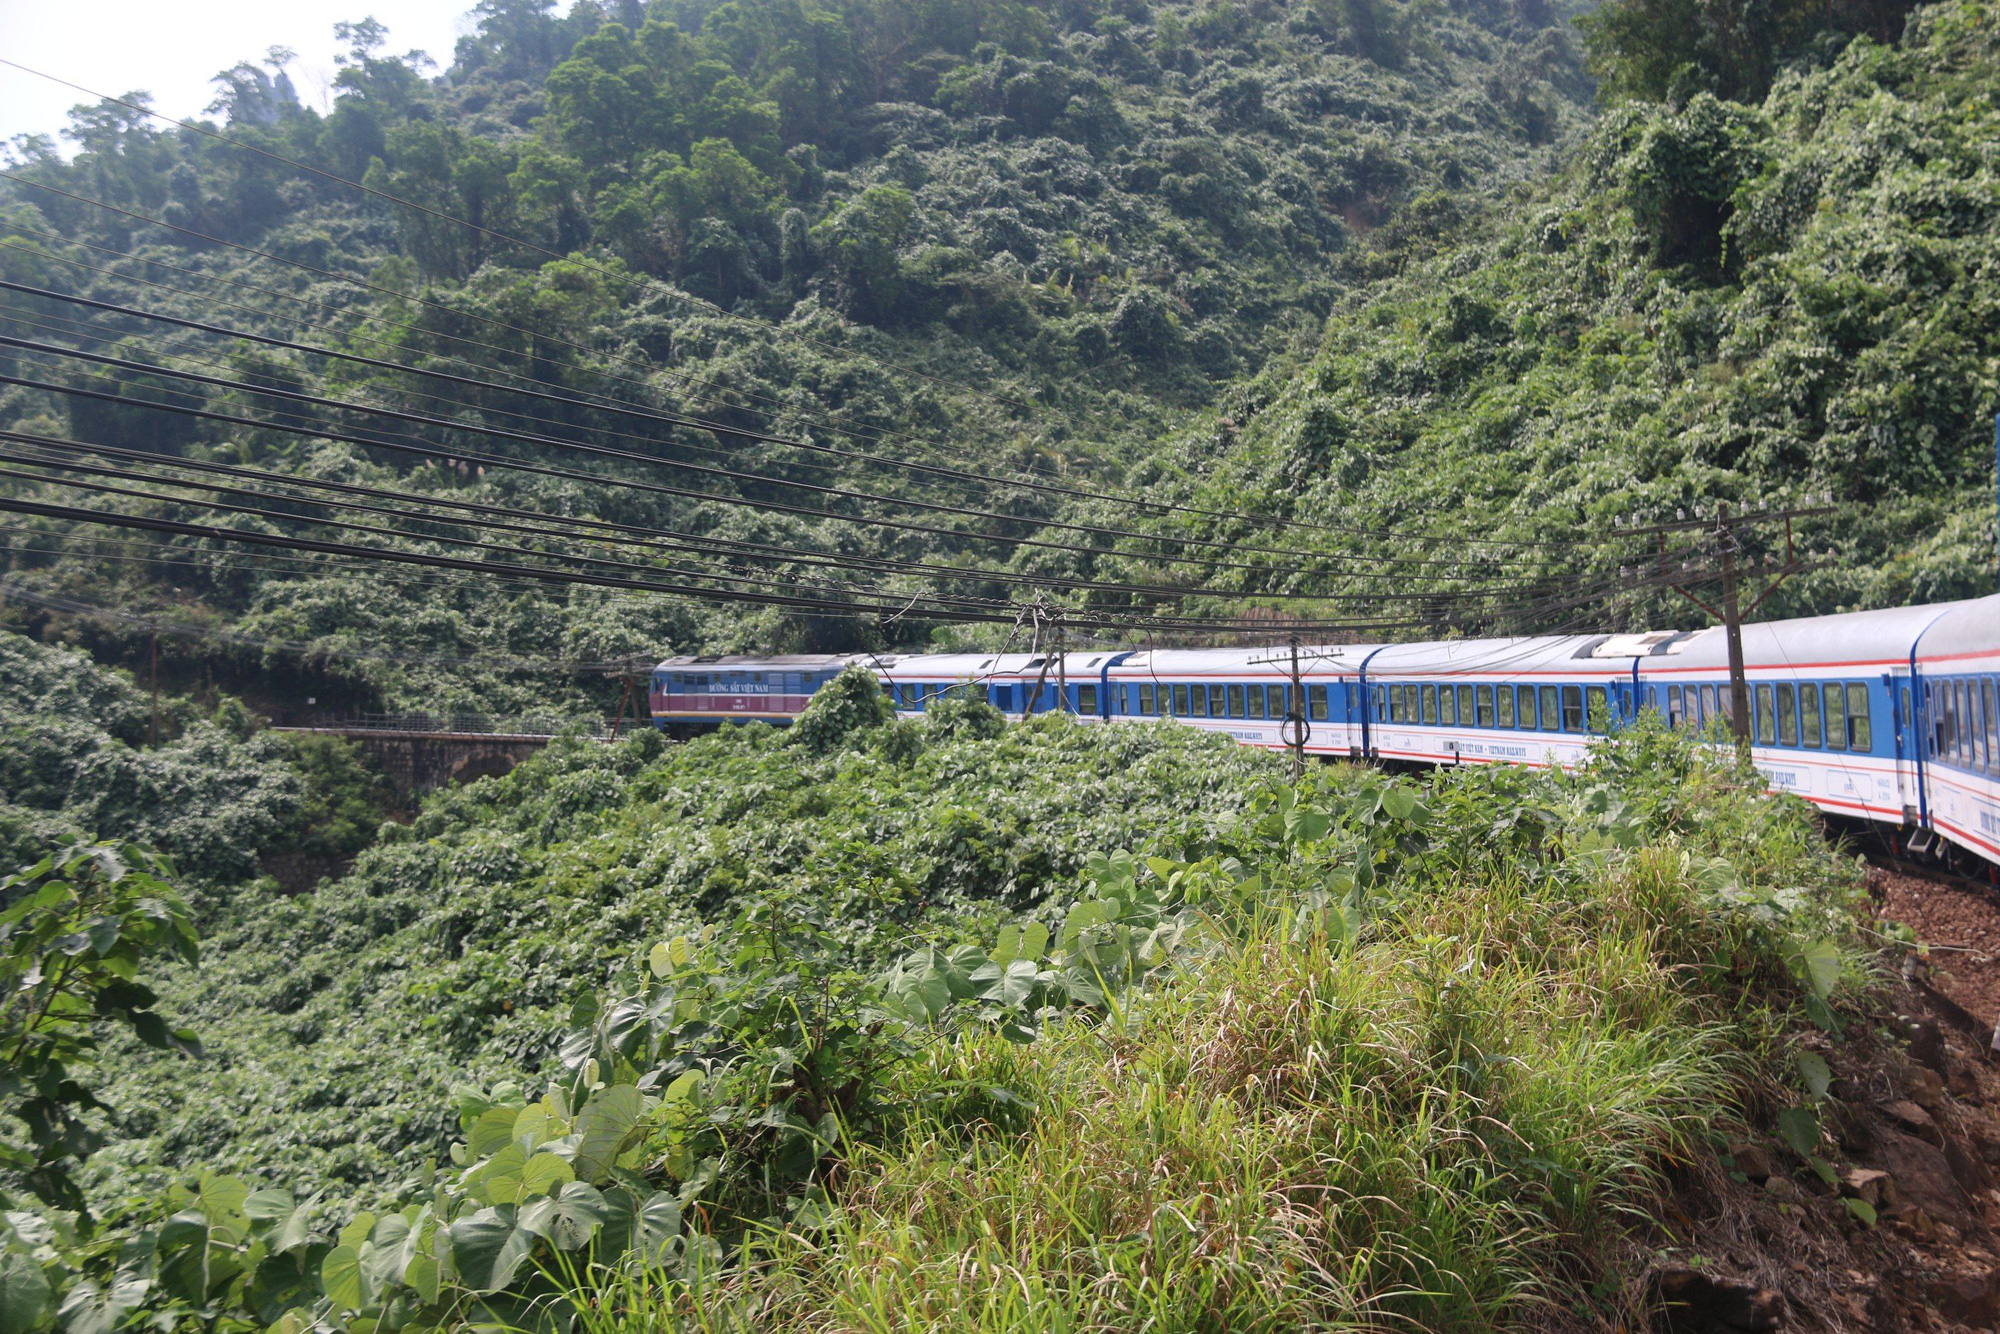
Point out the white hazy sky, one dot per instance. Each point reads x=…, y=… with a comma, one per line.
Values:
x=172, y=49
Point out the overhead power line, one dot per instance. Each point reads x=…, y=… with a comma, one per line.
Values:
x=615, y=405
x=605, y=530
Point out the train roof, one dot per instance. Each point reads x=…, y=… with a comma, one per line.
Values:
x=1261, y=660
x=1520, y=656
x=1875, y=640
x=1969, y=629
x=967, y=666
x=795, y=662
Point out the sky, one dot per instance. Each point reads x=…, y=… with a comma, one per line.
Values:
x=172, y=50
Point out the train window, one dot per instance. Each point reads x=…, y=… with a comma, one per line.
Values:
x=1968, y=722
x=1465, y=706
x=1179, y=696
x=1765, y=714
x=1086, y=699
x=1549, y=702
x=1347, y=695
x=1836, y=716
x=1809, y=715
x=1572, y=707
x=1317, y=703
x=1145, y=700
x=1503, y=706
x=1788, y=716
x=1482, y=708
x=1381, y=704
x=1447, y=706
x=1198, y=697
x=1993, y=727
x=1395, y=704
x=1857, y=718
x=889, y=690
x=1674, y=716
x=1596, y=709
x=1235, y=701
x=1254, y=697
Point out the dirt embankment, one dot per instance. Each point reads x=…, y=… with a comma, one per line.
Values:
x=1907, y=1235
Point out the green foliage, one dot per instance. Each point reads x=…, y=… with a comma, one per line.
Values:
x=1714, y=303
x=76, y=928
x=1660, y=49
x=455, y=948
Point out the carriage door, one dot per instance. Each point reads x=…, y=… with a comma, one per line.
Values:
x=1907, y=732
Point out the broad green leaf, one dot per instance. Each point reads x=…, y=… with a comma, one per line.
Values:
x=489, y=1249
x=543, y=1172
x=682, y=1088
x=1822, y=961
x=491, y=1132
x=1799, y=1128
x=268, y=1206
x=1009, y=946
x=579, y=1211
x=221, y=1196
x=660, y=960
x=357, y=1230
x=182, y=1256
x=643, y=1226
x=1813, y=1070
x=607, y=1120
x=340, y=1278
x=25, y=1295
x=932, y=990
x=421, y=1275
x=1861, y=1209
x=295, y=1231
x=1034, y=940
x=1399, y=802
x=679, y=952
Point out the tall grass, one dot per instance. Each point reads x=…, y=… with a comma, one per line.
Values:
x=1455, y=1123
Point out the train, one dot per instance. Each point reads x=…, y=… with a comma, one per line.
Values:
x=1888, y=717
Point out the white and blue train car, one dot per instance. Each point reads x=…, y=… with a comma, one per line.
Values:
x=1246, y=694
x=1886, y=716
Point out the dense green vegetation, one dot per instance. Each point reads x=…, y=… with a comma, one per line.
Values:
x=85, y=753
x=1070, y=226
x=457, y=944
x=1758, y=304
x=873, y=1024
x=741, y=1083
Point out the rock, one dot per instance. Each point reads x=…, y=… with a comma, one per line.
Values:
x=1968, y=1295
x=1912, y=1118
x=1924, y=1087
x=1866, y=1183
x=1784, y=1190
x=1923, y=1176
x=1969, y=1170
x=1926, y=1040
x=1752, y=1161
x=1694, y=1302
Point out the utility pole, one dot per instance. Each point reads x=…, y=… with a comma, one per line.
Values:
x=1726, y=530
x=153, y=670
x=1297, y=718
x=1062, y=669
x=1732, y=621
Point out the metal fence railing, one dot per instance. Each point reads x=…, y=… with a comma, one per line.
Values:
x=525, y=724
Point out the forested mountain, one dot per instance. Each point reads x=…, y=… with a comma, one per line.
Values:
x=1028, y=240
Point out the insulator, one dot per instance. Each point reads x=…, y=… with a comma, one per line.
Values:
x=1680, y=513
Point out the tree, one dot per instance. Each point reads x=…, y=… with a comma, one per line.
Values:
x=75, y=929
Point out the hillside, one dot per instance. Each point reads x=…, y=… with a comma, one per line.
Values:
x=1764, y=304
x=1029, y=241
